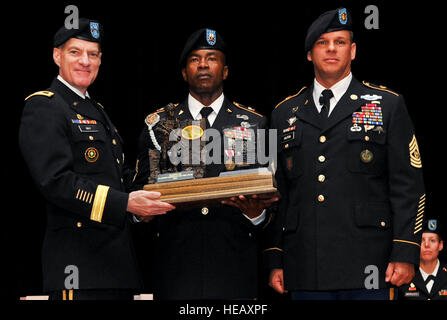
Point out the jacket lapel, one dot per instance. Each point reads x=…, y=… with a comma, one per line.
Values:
x=348, y=104
x=307, y=111
x=80, y=106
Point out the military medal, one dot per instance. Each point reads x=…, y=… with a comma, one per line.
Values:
x=230, y=165
x=366, y=156
x=356, y=128
x=91, y=154
x=83, y=121
x=371, y=97
x=371, y=114
x=291, y=121
x=379, y=129
x=242, y=116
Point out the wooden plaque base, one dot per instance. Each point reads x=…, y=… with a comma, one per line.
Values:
x=208, y=191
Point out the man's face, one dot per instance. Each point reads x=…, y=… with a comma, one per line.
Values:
x=78, y=62
x=205, y=71
x=430, y=246
x=332, y=54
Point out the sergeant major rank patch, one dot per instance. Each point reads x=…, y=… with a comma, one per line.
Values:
x=415, y=156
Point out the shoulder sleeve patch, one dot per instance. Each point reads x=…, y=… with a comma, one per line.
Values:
x=47, y=94
x=382, y=88
x=249, y=109
x=290, y=97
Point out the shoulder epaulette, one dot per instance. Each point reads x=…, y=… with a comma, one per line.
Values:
x=163, y=108
x=292, y=96
x=45, y=93
x=382, y=88
x=249, y=109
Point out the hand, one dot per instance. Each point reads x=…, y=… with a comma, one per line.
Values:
x=251, y=207
x=276, y=280
x=399, y=273
x=144, y=204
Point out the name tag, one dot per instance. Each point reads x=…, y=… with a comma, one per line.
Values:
x=88, y=128
x=288, y=137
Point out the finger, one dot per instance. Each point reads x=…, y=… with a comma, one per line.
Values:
x=151, y=194
x=161, y=204
x=389, y=272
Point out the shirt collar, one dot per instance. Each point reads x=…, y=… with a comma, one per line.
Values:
x=425, y=274
x=337, y=89
x=77, y=91
x=195, y=105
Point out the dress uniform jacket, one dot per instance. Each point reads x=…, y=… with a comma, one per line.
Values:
x=74, y=154
x=417, y=290
x=351, y=197
x=204, y=253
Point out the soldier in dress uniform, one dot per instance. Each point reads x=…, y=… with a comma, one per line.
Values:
x=74, y=154
x=349, y=172
x=208, y=252
x=430, y=281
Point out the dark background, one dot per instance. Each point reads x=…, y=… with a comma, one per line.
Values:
x=140, y=73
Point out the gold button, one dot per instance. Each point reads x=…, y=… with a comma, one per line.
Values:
x=114, y=141
x=286, y=146
x=91, y=138
x=79, y=224
x=118, y=160
x=249, y=234
x=320, y=198
x=366, y=138
x=321, y=178
x=323, y=139
x=205, y=211
x=322, y=158
x=383, y=223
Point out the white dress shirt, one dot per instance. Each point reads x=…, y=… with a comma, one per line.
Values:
x=77, y=91
x=194, y=108
x=425, y=275
x=337, y=89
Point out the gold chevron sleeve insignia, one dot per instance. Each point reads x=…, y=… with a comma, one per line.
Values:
x=420, y=215
x=415, y=156
x=99, y=203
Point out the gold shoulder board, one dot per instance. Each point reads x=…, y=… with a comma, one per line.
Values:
x=292, y=96
x=249, y=109
x=48, y=94
x=382, y=88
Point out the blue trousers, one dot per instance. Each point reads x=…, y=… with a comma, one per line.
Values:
x=361, y=294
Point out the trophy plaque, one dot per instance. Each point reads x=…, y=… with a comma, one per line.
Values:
x=208, y=191
x=182, y=182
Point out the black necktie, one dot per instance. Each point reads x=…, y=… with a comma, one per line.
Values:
x=430, y=277
x=325, y=97
x=205, y=112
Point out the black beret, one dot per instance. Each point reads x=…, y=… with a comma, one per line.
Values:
x=433, y=226
x=202, y=39
x=330, y=21
x=89, y=30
